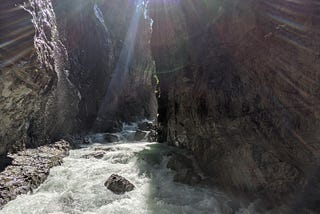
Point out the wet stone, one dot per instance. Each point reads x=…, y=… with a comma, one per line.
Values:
x=96, y=155
x=118, y=184
x=140, y=135
x=152, y=136
x=146, y=126
x=29, y=169
x=108, y=149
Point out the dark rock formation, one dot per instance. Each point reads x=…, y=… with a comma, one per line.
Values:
x=4, y=162
x=239, y=87
x=140, y=135
x=29, y=169
x=146, y=126
x=185, y=171
x=118, y=184
x=152, y=136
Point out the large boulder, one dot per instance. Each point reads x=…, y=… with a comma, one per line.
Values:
x=146, y=126
x=140, y=135
x=118, y=184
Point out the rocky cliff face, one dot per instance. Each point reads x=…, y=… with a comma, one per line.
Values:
x=58, y=70
x=239, y=88
x=36, y=97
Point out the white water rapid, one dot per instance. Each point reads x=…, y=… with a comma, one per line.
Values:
x=77, y=186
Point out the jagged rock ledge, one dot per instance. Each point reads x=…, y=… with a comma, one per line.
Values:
x=29, y=169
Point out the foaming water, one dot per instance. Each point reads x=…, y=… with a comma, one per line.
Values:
x=77, y=186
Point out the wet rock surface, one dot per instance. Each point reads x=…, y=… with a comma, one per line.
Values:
x=147, y=131
x=146, y=126
x=29, y=169
x=96, y=155
x=118, y=184
x=140, y=135
x=152, y=136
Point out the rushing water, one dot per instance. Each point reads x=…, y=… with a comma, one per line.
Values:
x=77, y=186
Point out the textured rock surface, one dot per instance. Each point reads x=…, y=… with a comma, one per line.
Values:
x=118, y=184
x=29, y=169
x=146, y=126
x=239, y=87
x=37, y=102
x=134, y=95
x=140, y=135
x=96, y=155
x=56, y=75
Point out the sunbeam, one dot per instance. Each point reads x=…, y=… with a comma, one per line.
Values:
x=120, y=73
x=166, y=106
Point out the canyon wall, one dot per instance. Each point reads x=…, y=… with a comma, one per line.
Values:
x=59, y=62
x=239, y=87
x=36, y=102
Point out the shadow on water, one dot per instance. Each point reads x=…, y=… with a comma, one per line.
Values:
x=167, y=196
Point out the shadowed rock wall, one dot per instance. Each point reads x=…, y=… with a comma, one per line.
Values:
x=239, y=86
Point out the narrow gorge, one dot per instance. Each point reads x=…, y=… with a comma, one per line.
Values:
x=159, y=106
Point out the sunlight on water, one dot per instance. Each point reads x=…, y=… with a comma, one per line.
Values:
x=78, y=185
x=121, y=71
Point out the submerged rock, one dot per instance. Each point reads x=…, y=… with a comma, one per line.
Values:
x=118, y=184
x=140, y=135
x=30, y=168
x=96, y=155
